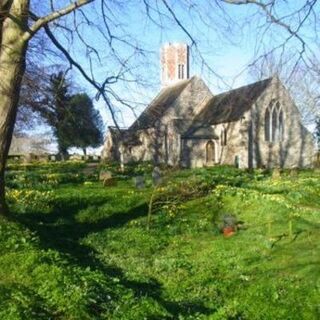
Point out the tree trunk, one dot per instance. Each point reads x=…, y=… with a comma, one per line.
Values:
x=12, y=66
x=63, y=152
x=84, y=151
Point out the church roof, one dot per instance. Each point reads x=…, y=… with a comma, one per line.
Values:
x=231, y=105
x=128, y=137
x=203, y=132
x=225, y=107
x=166, y=98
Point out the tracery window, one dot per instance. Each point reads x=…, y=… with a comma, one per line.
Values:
x=274, y=122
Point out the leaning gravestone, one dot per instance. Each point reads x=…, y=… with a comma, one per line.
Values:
x=107, y=179
x=105, y=175
x=156, y=176
x=139, y=182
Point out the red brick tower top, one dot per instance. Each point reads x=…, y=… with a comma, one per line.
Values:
x=174, y=63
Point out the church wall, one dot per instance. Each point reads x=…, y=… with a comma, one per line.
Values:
x=147, y=149
x=190, y=102
x=110, y=149
x=161, y=144
x=296, y=148
x=236, y=145
x=193, y=98
x=194, y=152
x=245, y=138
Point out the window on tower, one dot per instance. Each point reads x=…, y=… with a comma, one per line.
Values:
x=181, y=71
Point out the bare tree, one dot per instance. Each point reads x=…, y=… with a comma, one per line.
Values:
x=287, y=43
x=280, y=27
x=87, y=34
x=69, y=26
x=15, y=33
x=303, y=84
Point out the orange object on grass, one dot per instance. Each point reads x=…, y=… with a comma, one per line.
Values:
x=228, y=231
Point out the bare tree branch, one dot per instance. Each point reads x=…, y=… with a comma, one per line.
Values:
x=41, y=22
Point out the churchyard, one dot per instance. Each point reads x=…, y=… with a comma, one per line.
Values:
x=118, y=247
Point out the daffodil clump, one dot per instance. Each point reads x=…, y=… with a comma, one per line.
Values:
x=30, y=200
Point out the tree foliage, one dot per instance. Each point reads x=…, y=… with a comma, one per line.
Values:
x=69, y=25
x=85, y=126
x=73, y=118
x=56, y=111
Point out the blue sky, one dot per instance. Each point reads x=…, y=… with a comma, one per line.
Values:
x=227, y=47
x=226, y=52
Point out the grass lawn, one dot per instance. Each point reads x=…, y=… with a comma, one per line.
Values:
x=74, y=249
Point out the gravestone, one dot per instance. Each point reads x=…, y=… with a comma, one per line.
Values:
x=156, y=176
x=294, y=172
x=29, y=157
x=107, y=179
x=76, y=157
x=276, y=174
x=43, y=157
x=109, y=182
x=105, y=175
x=237, y=162
x=139, y=182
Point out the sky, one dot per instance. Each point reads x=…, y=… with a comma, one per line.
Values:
x=225, y=53
x=225, y=42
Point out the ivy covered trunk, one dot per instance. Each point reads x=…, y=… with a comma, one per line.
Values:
x=12, y=66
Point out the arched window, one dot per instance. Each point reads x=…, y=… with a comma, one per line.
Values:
x=281, y=125
x=223, y=137
x=274, y=128
x=210, y=153
x=267, y=125
x=274, y=122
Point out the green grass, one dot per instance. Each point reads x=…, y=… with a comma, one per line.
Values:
x=81, y=251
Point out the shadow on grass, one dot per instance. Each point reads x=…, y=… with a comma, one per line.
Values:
x=62, y=232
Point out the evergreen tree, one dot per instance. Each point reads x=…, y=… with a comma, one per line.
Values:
x=86, y=123
x=74, y=120
x=56, y=112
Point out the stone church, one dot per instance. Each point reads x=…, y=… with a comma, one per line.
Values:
x=257, y=125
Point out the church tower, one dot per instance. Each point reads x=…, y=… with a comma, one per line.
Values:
x=174, y=63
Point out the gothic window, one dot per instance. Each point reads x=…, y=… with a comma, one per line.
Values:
x=210, y=153
x=267, y=125
x=181, y=71
x=281, y=125
x=274, y=122
x=223, y=137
